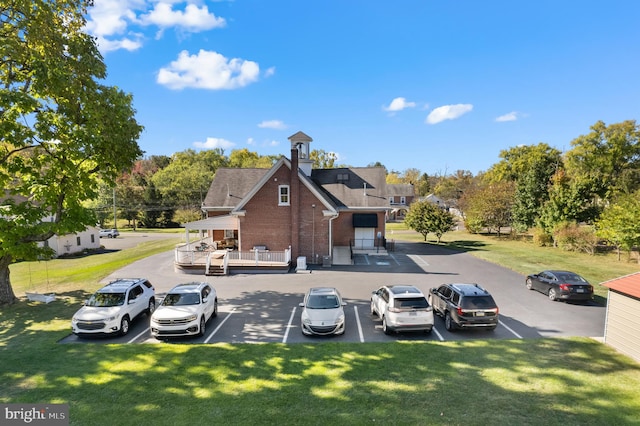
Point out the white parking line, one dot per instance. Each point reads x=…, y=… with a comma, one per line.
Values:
x=220, y=325
x=508, y=328
x=139, y=335
x=438, y=334
x=394, y=259
x=355, y=310
x=286, y=332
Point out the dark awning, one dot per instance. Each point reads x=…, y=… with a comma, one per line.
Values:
x=365, y=220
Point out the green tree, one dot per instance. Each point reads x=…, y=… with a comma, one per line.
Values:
x=244, y=159
x=489, y=206
x=185, y=181
x=608, y=159
x=619, y=223
x=61, y=130
x=568, y=201
x=322, y=159
x=423, y=187
x=518, y=161
x=451, y=188
x=425, y=217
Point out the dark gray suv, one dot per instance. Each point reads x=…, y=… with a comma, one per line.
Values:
x=464, y=306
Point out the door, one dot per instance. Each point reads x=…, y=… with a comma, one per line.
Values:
x=364, y=238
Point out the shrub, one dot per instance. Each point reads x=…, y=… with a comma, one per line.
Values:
x=541, y=238
x=574, y=237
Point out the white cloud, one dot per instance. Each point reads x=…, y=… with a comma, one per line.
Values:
x=106, y=45
x=270, y=71
x=193, y=18
x=448, y=112
x=212, y=143
x=512, y=116
x=111, y=21
x=208, y=70
x=251, y=141
x=109, y=17
x=274, y=143
x=398, y=104
x=272, y=124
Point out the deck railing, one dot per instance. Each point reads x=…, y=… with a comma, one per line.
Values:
x=191, y=255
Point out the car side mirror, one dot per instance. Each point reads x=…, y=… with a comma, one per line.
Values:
x=132, y=301
x=204, y=299
x=301, y=305
x=344, y=303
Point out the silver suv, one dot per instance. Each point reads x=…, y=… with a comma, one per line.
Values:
x=112, y=308
x=402, y=308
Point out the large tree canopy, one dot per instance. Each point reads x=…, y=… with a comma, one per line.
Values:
x=62, y=132
x=607, y=159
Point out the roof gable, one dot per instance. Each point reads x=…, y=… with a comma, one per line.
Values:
x=354, y=187
x=629, y=284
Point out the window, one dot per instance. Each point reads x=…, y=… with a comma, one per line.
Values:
x=391, y=200
x=93, y=238
x=342, y=177
x=403, y=200
x=283, y=195
x=78, y=240
x=228, y=233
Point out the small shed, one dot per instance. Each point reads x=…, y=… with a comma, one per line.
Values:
x=622, y=323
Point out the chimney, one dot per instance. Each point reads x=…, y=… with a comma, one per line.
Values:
x=295, y=204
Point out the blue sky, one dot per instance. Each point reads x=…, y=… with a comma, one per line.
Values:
x=435, y=85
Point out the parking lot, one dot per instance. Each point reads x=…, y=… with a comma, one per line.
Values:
x=264, y=307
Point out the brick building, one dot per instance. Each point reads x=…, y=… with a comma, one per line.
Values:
x=311, y=211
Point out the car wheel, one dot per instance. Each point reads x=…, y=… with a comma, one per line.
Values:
x=529, y=284
x=110, y=236
x=203, y=325
x=152, y=306
x=448, y=322
x=373, y=311
x=553, y=296
x=124, y=325
x=215, y=308
x=385, y=328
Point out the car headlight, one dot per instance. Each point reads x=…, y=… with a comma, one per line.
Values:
x=110, y=319
x=192, y=317
x=340, y=319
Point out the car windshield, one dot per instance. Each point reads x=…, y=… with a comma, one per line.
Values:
x=181, y=299
x=411, y=303
x=323, y=301
x=478, y=302
x=106, y=299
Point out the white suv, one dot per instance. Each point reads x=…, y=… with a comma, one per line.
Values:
x=402, y=308
x=185, y=310
x=112, y=308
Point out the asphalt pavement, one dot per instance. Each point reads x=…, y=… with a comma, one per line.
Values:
x=264, y=307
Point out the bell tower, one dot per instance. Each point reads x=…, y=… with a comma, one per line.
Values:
x=300, y=144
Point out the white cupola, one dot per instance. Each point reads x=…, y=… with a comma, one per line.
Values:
x=300, y=144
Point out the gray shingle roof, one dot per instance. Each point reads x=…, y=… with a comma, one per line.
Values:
x=229, y=186
x=356, y=187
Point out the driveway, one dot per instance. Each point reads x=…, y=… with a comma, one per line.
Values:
x=264, y=307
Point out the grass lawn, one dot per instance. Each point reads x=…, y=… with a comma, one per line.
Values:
x=574, y=381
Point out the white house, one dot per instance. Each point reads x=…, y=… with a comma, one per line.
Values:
x=89, y=239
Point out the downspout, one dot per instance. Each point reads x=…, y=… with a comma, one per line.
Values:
x=331, y=235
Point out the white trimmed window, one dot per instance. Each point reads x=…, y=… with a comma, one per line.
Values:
x=283, y=195
x=403, y=200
